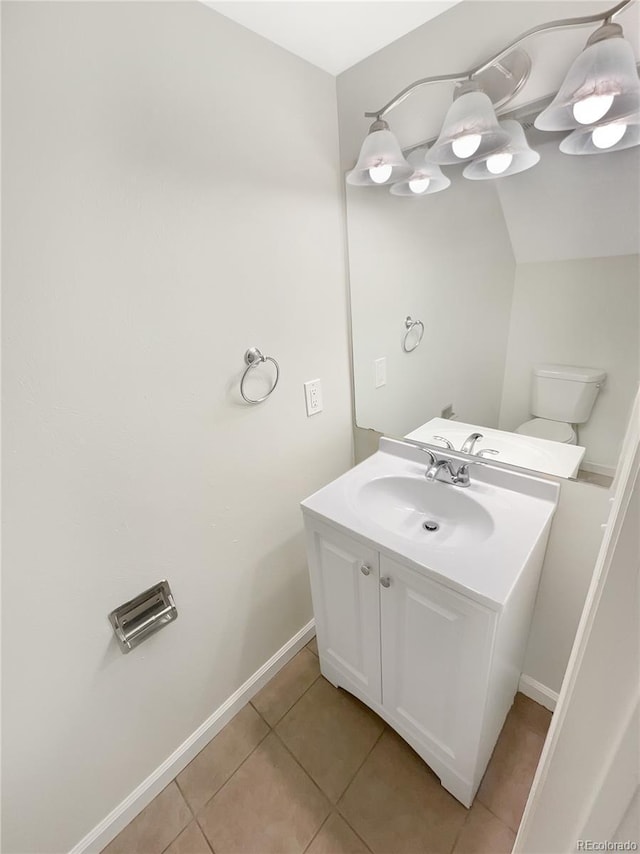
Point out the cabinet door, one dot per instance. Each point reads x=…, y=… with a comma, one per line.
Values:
x=346, y=604
x=436, y=647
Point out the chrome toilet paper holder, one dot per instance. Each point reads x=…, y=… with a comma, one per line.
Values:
x=135, y=620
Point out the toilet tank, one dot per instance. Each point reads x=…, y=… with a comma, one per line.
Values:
x=565, y=392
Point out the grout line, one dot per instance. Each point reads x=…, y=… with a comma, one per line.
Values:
x=369, y=752
x=195, y=817
x=286, y=712
x=190, y=808
x=175, y=780
x=306, y=690
x=259, y=715
x=182, y=829
x=297, y=761
x=340, y=813
x=206, y=838
x=464, y=824
x=496, y=816
x=233, y=773
x=317, y=832
x=353, y=829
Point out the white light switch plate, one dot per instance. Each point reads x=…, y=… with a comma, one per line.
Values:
x=380, y=366
x=313, y=396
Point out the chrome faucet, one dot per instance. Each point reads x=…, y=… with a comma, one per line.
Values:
x=457, y=476
x=469, y=443
x=435, y=468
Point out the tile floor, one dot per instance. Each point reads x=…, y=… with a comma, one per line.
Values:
x=307, y=768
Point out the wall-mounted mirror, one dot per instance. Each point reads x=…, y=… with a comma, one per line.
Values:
x=528, y=290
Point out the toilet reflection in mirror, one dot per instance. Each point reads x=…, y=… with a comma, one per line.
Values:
x=562, y=397
x=530, y=305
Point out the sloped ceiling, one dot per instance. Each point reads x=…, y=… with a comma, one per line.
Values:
x=332, y=35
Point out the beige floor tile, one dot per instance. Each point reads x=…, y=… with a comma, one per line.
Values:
x=215, y=763
x=157, y=826
x=483, y=833
x=396, y=804
x=287, y=686
x=505, y=787
x=330, y=733
x=269, y=806
x=190, y=841
x=336, y=837
x=313, y=645
x=532, y=714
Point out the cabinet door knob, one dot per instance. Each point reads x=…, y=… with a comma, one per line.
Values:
x=364, y=569
x=386, y=581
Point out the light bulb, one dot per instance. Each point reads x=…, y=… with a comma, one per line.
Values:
x=465, y=146
x=419, y=185
x=608, y=135
x=591, y=109
x=380, y=174
x=499, y=163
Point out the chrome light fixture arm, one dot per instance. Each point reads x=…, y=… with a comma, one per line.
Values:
x=562, y=23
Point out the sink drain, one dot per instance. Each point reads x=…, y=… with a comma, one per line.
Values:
x=430, y=526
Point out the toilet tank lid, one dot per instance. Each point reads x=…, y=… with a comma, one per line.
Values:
x=570, y=372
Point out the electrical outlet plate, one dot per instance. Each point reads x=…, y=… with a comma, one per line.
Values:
x=313, y=396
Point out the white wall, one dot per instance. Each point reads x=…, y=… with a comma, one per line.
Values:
x=403, y=262
x=577, y=312
x=595, y=211
x=167, y=175
x=576, y=534
x=588, y=772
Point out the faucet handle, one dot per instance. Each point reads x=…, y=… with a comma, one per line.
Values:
x=447, y=443
x=421, y=447
x=483, y=451
x=462, y=475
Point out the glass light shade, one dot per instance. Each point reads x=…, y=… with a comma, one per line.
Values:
x=601, y=87
x=381, y=160
x=581, y=141
x=522, y=157
x=423, y=170
x=469, y=117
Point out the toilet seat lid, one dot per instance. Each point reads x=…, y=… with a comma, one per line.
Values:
x=542, y=428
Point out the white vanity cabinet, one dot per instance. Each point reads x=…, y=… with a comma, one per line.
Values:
x=344, y=578
x=431, y=661
x=435, y=647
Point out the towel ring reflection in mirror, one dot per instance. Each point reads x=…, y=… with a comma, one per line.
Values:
x=253, y=359
x=410, y=326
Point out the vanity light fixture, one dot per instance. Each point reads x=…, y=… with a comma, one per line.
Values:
x=612, y=137
x=515, y=157
x=470, y=128
x=426, y=177
x=381, y=160
x=602, y=85
x=599, y=100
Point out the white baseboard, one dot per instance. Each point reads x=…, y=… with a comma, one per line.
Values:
x=596, y=468
x=128, y=809
x=537, y=691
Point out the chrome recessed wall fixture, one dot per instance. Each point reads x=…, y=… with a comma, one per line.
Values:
x=599, y=102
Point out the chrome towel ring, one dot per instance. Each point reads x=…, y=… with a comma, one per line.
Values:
x=410, y=326
x=253, y=358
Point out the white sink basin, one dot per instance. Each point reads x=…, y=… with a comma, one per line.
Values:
x=486, y=532
x=412, y=507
